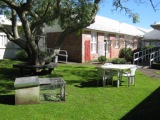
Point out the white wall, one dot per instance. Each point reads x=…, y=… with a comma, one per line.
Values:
x=7, y=48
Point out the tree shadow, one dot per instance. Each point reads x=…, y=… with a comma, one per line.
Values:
x=7, y=78
x=89, y=83
x=148, y=109
x=94, y=83
x=9, y=73
x=7, y=99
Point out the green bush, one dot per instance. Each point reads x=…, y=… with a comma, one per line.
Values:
x=42, y=54
x=109, y=60
x=126, y=53
x=149, y=47
x=102, y=59
x=21, y=55
x=119, y=61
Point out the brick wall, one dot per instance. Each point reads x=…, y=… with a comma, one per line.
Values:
x=75, y=45
x=133, y=41
x=72, y=44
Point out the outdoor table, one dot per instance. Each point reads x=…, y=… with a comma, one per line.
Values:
x=119, y=68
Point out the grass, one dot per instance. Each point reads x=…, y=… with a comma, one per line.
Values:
x=157, y=72
x=84, y=100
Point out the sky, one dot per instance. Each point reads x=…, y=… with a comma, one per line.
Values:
x=146, y=13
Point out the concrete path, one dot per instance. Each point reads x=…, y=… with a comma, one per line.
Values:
x=149, y=72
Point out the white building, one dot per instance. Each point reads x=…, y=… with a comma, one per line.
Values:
x=7, y=48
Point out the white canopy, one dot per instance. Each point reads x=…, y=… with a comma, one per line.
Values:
x=156, y=26
x=106, y=24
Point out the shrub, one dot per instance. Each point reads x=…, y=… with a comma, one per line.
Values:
x=109, y=60
x=119, y=61
x=42, y=54
x=21, y=55
x=126, y=53
x=149, y=47
x=102, y=59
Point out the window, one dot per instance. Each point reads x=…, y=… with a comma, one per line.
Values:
x=93, y=42
x=117, y=41
x=3, y=40
x=128, y=42
x=107, y=44
x=121, y=41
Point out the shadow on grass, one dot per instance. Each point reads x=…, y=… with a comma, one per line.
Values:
x=7, y=99
x=148, y=109
x=89, y=83
x=7, y=78
x=9, y=73
x=94, y=83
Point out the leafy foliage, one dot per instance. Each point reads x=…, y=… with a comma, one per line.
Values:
x=21, y=55
x=102, y=59
x=119, y=61
x=126, y=53
x=71, y=15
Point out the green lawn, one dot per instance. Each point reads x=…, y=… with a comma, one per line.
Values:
x=84, y=100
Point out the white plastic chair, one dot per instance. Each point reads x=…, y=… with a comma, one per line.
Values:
x=130, y=75
x=104, y=74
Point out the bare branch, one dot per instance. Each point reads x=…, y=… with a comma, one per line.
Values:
x=153, y=5
x=34, y=14
x=27, y=6
x=130, y=13
x=45, y=18
x=14, y=24
x=96, y=1
x=10, y=3
x=47, y=9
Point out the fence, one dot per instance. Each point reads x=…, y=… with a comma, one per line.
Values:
x=62, y=53
x=154, y=57
x=144, y=55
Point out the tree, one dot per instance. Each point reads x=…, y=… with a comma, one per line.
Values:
x=72, y=16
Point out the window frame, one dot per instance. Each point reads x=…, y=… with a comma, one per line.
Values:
x=3, y=40
x=93, y=42
x=117, y=41
x=106, y=37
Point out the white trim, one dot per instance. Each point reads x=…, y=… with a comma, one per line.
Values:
x=106, y=37
x=2, y=33
x=117, y=42
x=93, y=42
x=3, y=40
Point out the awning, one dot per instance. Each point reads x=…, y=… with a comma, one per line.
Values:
x=156, y=26
x=153, y=36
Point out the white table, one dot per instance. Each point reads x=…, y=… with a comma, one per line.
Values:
x=119, y=68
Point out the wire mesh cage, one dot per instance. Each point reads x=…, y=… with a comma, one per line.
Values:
x=52, y=89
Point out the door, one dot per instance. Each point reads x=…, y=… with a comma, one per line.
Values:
x=87, y=51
